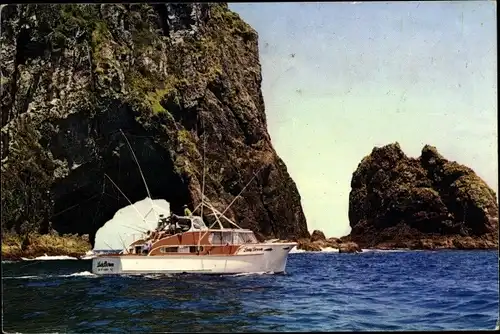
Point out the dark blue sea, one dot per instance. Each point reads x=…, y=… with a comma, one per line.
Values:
x=421, y=290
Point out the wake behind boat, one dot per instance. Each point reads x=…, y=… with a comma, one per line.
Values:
x=184, y=244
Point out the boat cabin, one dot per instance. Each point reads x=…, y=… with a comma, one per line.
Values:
x=181, y=234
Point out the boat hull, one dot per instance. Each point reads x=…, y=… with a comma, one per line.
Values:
x=256, y=259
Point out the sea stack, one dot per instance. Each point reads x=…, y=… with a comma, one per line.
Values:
x=424, y=203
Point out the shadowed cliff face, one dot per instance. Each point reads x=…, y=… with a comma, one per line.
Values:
x=171, y=76
x=395, y=198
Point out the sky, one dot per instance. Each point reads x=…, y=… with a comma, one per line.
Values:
x=342, y=78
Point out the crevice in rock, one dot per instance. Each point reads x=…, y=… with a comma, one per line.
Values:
x=79, y=135
x=85, y=142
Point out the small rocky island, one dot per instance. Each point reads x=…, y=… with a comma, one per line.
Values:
x=318, y=242
x=423, y=203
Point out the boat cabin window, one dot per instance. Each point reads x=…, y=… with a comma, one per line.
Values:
x=248, y=238
x=184, y=224
x=194, y=249
x=215, y=238
x=227, y=238
x=232, y=238
x=183, y=249
x=244, y=238
x=180, y=249
x=169, y=250
x=238, y=239
x=220, y=238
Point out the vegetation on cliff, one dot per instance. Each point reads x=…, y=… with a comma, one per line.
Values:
x=429, y=202
x=15, y=246
x=171, y=76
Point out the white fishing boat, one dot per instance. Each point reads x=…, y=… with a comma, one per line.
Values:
x=184, y=244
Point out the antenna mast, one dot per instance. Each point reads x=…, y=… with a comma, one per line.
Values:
x=143, y=219
x=203, y=177
x=204, y=155
x=142, y=175
x=242, y=190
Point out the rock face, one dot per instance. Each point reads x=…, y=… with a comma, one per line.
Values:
x=171, y=77
x=349, y=247
x=429, y=202
x=318, y=241
x=318, y=235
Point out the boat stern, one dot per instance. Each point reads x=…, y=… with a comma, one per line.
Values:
x=105, y=265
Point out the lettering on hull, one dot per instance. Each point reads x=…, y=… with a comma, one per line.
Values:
x=105, y=266
x=252, y=249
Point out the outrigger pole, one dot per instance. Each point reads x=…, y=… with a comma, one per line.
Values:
x=143, y=219
x=142, y=175
x=242, y=190
x=203, y=177
x=204, y=150
x=110, y=248
x=203, y=203
x=215, y=211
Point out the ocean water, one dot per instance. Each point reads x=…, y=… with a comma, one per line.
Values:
x=420, y=290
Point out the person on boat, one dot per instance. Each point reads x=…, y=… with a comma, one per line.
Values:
x=172, y=227
x=162, y=222
x=187, y=212
x=146, y=248
x=174, y=219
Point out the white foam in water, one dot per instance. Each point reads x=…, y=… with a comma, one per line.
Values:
x=78, y=274
x=46, y=257
x=294, y=250
x=152, y=276
x=83, y=273
x=385, y=250
x=251, y=274
x=330, y=250
x=156, y=276
x=20, y=277
x=89, y=255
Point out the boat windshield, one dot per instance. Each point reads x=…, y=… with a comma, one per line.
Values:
x=248, y=237
x=232, y=238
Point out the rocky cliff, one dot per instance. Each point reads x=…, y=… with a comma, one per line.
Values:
x=171, y=76
x=429, y=202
